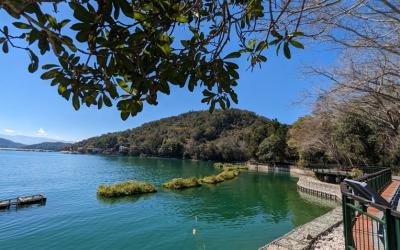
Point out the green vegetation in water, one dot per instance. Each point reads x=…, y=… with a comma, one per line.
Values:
x=212, y=179
x=227, y=174
x=230, y=166
x=182, y=183
x=126, y=188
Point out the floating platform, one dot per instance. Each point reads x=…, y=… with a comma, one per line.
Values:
x=22, y=201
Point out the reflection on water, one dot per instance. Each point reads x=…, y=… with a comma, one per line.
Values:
x=243, y=213
x=111, y=201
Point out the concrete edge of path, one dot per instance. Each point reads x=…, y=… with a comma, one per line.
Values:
x=302, y=237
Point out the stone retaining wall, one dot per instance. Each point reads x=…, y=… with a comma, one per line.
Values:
x=307, y=183
x=291, y=169
x=319, y=188
x=302, y=237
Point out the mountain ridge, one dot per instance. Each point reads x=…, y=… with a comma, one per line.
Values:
x=53, y=146
x=30, y=140
x=230, y=135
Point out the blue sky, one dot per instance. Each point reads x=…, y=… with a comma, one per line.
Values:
x=30, y=106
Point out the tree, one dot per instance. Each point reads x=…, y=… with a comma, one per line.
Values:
x=366, y=83
x=128, y=52
x=272, y=148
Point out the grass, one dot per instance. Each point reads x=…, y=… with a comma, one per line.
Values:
x=126, y=188
x=223, y=176
x=182, y=183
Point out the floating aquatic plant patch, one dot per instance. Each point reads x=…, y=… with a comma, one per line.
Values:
x=126, y=188
x=182, y=183
x=230, y=166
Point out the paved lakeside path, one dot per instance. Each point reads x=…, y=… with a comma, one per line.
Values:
x=333, y=240
x=302, y=237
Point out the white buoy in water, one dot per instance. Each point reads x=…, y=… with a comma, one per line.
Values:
x=194, y=231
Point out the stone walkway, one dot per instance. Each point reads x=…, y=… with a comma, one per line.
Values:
x=333, y=240
x=302, y=237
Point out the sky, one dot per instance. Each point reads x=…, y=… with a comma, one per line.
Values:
x=30, y=106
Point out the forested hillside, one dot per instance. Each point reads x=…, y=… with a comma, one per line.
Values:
x=238, y=135
x=54, y=146
x=231, y=135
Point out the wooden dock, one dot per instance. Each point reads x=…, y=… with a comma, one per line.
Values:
x=23, y=201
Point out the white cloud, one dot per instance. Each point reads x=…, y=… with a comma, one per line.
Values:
x=9, y=131
x=41, y=132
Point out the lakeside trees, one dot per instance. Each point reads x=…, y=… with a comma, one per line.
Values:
x=362, y=103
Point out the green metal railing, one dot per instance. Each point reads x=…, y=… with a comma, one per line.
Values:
x=378, y=180
x=369, y=225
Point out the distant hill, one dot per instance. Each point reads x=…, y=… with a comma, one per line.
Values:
x=4, y=143
x=231, y=135
x=29, y=140
x=53, y=146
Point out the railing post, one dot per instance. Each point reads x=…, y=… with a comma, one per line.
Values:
x=390, y=230
x=346, y=222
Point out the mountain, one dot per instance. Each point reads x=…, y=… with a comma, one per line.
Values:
x=53, y=146
x=29, y=140
x=4, y=143
x=231, y=135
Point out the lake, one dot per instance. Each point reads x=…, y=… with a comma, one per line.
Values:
x=244, y=213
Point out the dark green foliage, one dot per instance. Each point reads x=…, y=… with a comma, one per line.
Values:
x=126, y=53
x=230, y=135
x=53, y=146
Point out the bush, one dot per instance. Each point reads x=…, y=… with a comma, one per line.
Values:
x=181, y=183
x=355, y=172
x=125, y=189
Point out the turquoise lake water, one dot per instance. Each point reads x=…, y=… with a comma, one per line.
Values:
x=244, y=213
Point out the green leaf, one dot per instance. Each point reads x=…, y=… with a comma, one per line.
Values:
x=75, y=102
x=212, y=106
x=49, y=66
x=22, y=25
x=5, y=47
x=81, y=13
x=296, y=44
x=166, y=49
x=49, y=75
x=261, y=46
x=297, y=33
x=164, y=87
x=233, y=55
x=222, y=103
x=276, y=34
x=34, y=62
x=100, y=103
x=286, y=50
x=181, y=19
x=107, y=101
x=124, y=115
x=126, y=8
